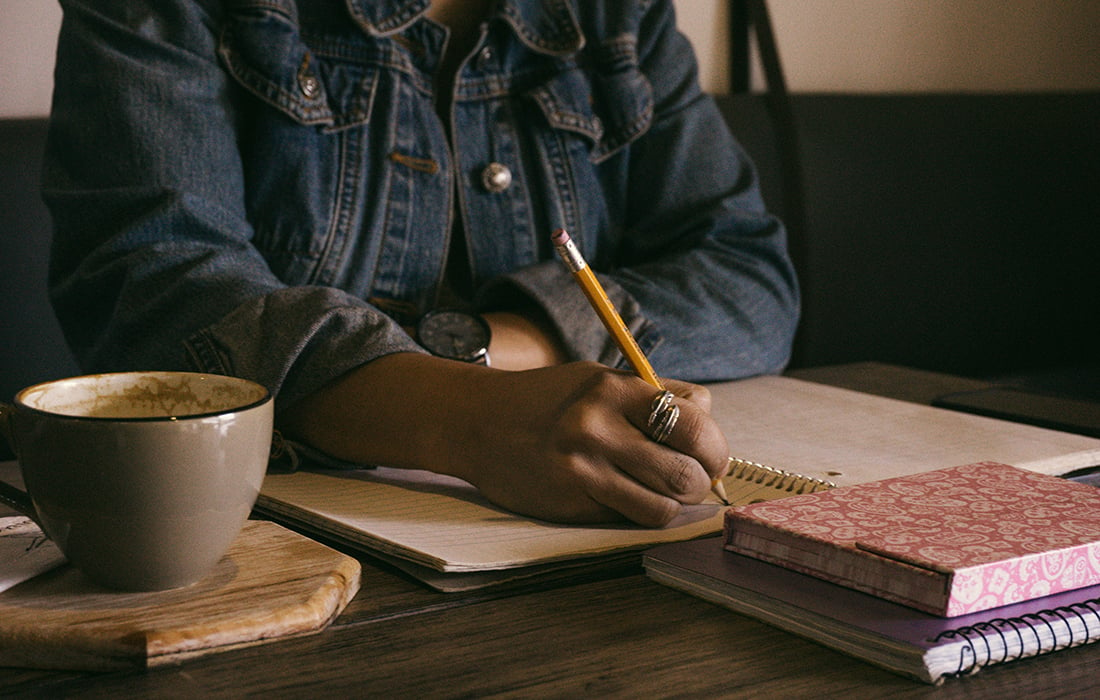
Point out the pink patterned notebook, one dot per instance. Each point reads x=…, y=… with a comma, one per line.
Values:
x=949, y=542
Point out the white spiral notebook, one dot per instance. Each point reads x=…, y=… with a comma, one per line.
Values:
x=788, y=436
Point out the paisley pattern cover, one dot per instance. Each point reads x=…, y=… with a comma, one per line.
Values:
x=950, y=541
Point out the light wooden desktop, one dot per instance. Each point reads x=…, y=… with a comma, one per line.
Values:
x=612, y=635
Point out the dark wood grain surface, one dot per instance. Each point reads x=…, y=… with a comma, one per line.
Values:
x=618, y=635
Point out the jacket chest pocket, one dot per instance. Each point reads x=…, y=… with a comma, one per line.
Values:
x=324, y=81
x=604, y=99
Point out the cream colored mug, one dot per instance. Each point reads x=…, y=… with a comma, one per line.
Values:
x=142, y=479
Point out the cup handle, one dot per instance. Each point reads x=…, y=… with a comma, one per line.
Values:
x=10, y=495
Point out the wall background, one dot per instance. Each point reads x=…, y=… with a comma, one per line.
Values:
x=825, y=45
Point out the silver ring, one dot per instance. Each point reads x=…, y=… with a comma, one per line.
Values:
x=663, y=416
x=668, y=422
x=660, y=404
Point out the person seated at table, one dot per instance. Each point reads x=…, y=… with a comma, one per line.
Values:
x=284, y=190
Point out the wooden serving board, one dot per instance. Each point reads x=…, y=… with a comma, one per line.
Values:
x=272, y=584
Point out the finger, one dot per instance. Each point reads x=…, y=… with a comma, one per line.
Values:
x=665, y=471
x=669, y=472
x=660, y=468
x=691, y=433
x=697, y=435
x=697, y=394
x=617, y=490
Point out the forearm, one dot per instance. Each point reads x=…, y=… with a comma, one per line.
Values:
x=403, y=410
x=523, y=341
x=347, y=417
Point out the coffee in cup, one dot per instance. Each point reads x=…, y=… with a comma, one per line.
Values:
x=142, y=479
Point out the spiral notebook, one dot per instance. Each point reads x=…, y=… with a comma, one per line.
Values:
x=892, y=636
x=790, y=436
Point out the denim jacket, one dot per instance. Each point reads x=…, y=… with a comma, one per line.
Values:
x=263, y=188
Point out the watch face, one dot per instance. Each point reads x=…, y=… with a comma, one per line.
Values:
x=454, y=334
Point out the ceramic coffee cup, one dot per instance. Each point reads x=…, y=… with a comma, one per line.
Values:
x=142, y=479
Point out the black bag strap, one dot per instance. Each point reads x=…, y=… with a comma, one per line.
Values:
x=751, y=16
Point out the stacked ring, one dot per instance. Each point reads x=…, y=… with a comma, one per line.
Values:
x=663, y=415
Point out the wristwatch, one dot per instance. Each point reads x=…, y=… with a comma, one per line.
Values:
x=456, y=335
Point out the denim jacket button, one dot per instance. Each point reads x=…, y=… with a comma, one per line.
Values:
x=309, y=85
x=496, y=178
x=484, y=58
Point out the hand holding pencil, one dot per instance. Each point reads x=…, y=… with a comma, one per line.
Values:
x=569, y=442
x=664, y=414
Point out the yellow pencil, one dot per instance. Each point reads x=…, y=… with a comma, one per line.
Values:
x=613, y=322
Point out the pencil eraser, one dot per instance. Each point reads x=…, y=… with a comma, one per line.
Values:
x=559, y=237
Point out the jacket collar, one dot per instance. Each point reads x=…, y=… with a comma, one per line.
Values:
x=546, y=26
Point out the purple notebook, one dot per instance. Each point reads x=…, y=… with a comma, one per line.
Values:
x=895, y=637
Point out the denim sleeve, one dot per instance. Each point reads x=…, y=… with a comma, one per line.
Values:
x=152, y=260
x=700, y=270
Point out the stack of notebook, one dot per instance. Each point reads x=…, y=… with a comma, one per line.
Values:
x=930, y=575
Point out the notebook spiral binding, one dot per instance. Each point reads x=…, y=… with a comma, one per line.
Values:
x=776, y=478
x=1003, y=640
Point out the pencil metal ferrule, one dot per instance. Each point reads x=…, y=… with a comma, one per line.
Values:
x=572, y=257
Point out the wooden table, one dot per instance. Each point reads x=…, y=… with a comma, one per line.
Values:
x=619, y=635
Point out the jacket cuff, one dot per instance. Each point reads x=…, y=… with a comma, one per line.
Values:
x=296, y=340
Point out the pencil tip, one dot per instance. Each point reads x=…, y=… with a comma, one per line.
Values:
x=719, y=490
